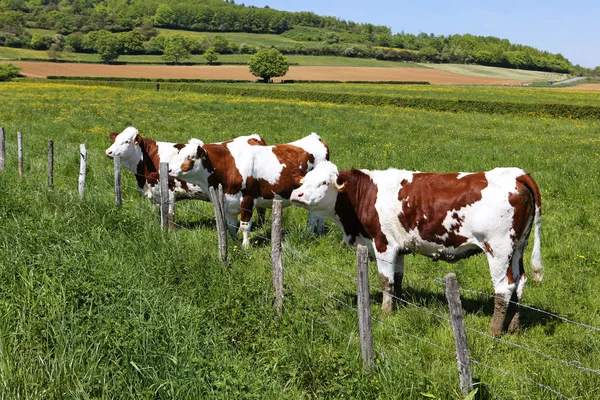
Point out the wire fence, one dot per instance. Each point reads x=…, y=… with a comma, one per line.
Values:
x=352, y=337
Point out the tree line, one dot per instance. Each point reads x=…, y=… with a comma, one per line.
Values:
x=132, y=21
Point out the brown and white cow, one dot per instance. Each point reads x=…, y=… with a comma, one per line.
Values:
x=252, y=176
x=319, y=152
x=443, y=216
x=143, y=156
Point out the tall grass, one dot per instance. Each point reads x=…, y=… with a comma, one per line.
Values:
x=97, y=302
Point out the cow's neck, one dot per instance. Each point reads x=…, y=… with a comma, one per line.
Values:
x=148, y=163
x=349, y=208
x=132, y=162
x=355, y=208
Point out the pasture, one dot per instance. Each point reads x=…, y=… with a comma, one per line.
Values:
x=477, y=92
x=97, y=302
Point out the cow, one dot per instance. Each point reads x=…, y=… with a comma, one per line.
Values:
x=445, y=216
x=143, y=156
x=251, y=176
x=319, y=151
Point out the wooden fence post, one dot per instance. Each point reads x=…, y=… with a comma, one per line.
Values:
x=2, y=148
x=364, y=306
x=460, y=335
x=82, y=169
x=20, y=153
x=276, y=260
x=216, y=197
x=50, y=163
x=117, y=169
x=164, y=195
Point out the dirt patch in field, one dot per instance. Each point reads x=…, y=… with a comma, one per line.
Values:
x=585, y=86
x=44, y=69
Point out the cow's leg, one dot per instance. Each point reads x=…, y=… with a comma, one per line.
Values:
x=246, y=219
x=171, y=214
x=316, y=224
x=231, y=209
x=386, y=265
x=503, y=288
x=398, y=275
x=312, y=221
x=320, y=226
x=520, y=279
x=232, y=223
x=260, y=216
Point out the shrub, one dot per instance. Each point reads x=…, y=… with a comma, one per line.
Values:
x=8, y=71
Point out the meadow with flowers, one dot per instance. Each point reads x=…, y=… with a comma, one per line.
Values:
x=97, y=302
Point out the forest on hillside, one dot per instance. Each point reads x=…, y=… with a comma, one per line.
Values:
x=128, y=27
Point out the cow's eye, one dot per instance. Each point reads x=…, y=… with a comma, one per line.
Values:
x=324, y=183
x=127, y=142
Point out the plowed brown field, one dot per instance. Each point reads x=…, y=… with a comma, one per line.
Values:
x=44, y=69
x=585, y=86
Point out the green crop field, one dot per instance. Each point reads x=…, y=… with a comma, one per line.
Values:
x=97, y=302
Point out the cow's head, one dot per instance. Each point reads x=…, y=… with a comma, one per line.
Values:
x=191, y=163
x=125, y=144
x=318, y=190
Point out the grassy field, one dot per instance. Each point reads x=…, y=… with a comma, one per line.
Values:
x=496, y=72
x=486, y=93
x=8, y=53
x=96, y=302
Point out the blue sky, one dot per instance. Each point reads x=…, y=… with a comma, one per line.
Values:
x=572, y=29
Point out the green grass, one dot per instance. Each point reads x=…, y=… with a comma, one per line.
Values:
x=497, y=72
x=42, y=32
x=97, y=302
x=530, y=95
x=8, y=53
x=454, y=92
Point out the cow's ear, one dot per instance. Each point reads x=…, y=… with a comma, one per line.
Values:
x=200, y=152
x=298, y=175
x=113, y=136
x=341, y=184
x=137, y=140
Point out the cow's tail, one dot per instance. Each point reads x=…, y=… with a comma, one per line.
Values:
x=536, y=255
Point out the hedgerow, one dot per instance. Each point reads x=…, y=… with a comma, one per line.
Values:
x=559, y=110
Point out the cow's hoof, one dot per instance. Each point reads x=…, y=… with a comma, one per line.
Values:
x=386, y=310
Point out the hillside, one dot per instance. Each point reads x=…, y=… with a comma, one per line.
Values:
x=129, y=27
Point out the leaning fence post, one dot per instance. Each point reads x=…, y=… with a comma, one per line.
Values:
x=50, y=163
x=217, y=201
x=20, y=153
x=82, y=169
x=164, y=195
x=117, y=169
x=276, y=260
x=460, y=335
x=364, y=306
x=2, y=148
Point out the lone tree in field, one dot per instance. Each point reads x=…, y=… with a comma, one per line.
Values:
x=177, y=48
x=211, y=55
x=268, y=63
x=107, y=46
